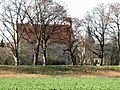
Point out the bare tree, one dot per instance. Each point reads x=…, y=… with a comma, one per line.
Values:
x=114, y=25
x=88, y=40
x=11, y=16
x=71, y=39
x=101, y=17
x=42, y=13
x=97, y=25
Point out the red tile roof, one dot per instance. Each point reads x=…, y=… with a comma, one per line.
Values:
x=55, y=33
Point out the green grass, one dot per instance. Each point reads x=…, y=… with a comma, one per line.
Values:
x=60, y=83
x=56, y=70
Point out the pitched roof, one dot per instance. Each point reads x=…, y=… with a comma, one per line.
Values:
x=54, y=33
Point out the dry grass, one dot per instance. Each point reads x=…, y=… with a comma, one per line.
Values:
x=62, y=72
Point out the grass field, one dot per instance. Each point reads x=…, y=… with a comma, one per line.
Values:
x=60, y=83
x=59, y=78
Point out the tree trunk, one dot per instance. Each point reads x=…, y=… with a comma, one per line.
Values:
x=43, y=58
x=36, y=53
x=111, y=60
x=101, y=63
x=15, y=58
x=102, y=54
x=36, y=57
x=73, y=59
x=102, y=58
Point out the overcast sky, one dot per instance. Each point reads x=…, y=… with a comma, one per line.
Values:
x=78, y=8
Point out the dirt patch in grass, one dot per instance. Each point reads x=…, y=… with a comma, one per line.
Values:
x=9, y=73
x=108, y=73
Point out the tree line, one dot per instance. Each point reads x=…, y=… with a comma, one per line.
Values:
x=37, y=12
x=102, y=23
